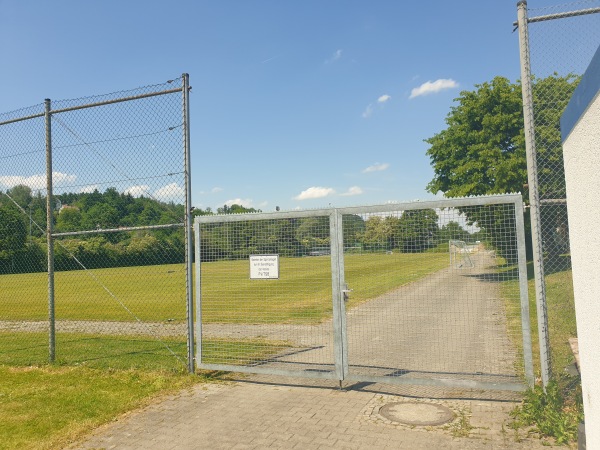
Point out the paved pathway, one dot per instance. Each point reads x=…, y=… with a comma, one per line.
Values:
x=281, y=413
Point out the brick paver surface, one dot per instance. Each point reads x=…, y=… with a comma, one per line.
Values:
x=258, y=413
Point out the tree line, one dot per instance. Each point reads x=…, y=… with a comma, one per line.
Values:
x=23, y=245
x=23, y=223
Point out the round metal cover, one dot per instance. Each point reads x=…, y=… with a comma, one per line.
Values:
x=420, y=414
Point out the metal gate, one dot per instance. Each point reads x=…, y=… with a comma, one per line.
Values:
x=428, y=293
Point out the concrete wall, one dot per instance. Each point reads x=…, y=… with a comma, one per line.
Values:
x=580, y=126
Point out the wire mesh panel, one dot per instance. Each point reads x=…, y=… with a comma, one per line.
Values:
x=119, y=251
x=435, y=296
x=23, y=261
x=265, y=302
x=562, y=42
x=369, y=294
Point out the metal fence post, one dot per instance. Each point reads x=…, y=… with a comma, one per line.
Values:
x=49, y=238
x=188, y=224
x=523, y=293
x=534, y=200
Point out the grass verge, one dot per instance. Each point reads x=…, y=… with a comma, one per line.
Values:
x=48, y=407
x=557, y=412
x=95, y=379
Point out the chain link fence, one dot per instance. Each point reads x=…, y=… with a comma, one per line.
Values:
x=557, y=44
x=94, y=259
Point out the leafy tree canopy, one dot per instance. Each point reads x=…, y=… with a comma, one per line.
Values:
x=482, y=151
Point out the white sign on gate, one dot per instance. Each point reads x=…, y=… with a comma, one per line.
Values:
x=264, y=267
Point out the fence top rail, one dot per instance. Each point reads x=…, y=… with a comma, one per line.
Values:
x=387, y=207
x=95, y=104
x=116, y=100
x=21, y=119
x=562, y=15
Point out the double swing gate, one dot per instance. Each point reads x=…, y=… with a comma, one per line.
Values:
x=426, y=293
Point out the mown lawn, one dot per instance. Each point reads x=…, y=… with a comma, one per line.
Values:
x=302, y=294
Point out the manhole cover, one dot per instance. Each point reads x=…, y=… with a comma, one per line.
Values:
x=421, y=414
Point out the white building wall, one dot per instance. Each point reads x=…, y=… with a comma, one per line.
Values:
x=582, y=172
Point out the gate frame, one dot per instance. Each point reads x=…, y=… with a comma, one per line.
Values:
x=339, y=290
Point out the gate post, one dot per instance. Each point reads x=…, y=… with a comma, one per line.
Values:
x=336, y=237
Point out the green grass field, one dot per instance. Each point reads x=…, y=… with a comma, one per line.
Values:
x=302, y=294
x=157, y=293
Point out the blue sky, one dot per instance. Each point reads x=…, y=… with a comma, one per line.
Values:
x=297, y=104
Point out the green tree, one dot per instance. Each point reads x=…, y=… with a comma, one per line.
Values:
x=313, y=233
x=101, y=215
x=13, y=236
x=236, y=209
x=482, y=150
x=416, y=230
x=378, y=233
x=453, y=230
x=21, y=194
x=69, y=219
x=353, y=226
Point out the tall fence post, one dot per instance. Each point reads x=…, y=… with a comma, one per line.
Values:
x=188, y=224
x=534, y=199
x=49, y=238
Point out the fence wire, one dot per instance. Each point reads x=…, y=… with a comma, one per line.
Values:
x=117, y=209
x=562, y=40
x=23, y=246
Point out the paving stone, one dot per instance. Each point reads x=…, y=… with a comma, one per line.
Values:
x=248, y=414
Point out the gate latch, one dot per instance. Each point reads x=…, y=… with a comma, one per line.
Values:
x=346, y=293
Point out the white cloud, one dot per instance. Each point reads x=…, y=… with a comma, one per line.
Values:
x=138, y=190
x=246, y=203
x=216, y=190
x=37, y=181
x=314, y=192
x=370, y=107
x=170, y=193
x=89, y=188
x=433, y=87
x=376, y=168
x=335, y=57
x=354, y=190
